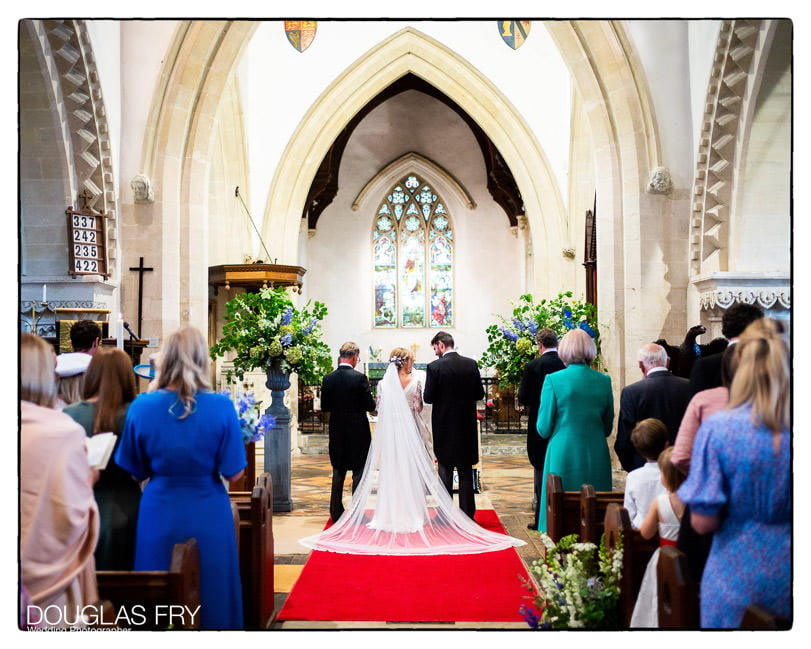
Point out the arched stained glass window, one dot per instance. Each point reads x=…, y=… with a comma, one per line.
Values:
x=412, y=241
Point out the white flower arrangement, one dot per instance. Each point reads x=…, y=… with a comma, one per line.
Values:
x=578, y=585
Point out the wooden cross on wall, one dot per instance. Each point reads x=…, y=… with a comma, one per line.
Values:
x=141, y=270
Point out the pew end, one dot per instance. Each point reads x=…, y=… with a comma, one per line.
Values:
x=562, y=509
x=256, y=552
x=636, y=552
x=676, y=592
x=136, y=591
x=757, y=618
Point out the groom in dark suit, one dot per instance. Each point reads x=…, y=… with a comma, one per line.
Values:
x=529, y=395
x=346, y=395
x=453, y=385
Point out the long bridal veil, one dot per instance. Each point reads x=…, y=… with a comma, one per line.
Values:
x=400, y=506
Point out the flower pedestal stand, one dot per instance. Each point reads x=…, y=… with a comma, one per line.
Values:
x=277, y=440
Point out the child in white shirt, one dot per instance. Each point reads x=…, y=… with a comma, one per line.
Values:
x=642, y=485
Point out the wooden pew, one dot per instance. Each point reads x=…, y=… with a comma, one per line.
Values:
x=562, y=509
x=592, y=511
x=755, y=617
x=140, y=593
x=256, y=558
x=676, y=592
x=636, y=552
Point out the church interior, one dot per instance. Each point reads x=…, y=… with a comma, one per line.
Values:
x=167, y=165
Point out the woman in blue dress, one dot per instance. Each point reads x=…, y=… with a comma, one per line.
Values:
x=185, y=439
x=739, y=485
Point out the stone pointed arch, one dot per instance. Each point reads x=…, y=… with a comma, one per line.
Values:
x=410, y=51
x=626, y=148
x=177, y=153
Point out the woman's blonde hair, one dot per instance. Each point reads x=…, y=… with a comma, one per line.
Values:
x=400, y=356
x=184, y=366
x=762, y=377
x=37, y=371
x=577, y=346
x=69, y=388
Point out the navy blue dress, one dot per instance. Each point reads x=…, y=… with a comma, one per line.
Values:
x=185, y=497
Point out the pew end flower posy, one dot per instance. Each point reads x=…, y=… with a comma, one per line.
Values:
x=577, y=586
x=265, y=330
x=511, y=342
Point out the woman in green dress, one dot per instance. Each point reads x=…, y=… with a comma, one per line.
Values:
x=576, y=414
x=109, y=388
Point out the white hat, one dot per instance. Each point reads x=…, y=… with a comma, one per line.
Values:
x=72, y=363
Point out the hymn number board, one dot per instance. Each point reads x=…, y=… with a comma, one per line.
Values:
x=87, y=242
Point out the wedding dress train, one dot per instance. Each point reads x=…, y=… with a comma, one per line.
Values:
x=400, y=506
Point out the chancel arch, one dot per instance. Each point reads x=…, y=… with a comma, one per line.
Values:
x=411, y=52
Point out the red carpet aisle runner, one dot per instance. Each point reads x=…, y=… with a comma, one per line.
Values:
x=486, y=587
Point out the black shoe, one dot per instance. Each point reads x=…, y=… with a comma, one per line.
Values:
x=533, y=526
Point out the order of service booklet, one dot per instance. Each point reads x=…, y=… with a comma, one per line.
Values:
x=99, y=448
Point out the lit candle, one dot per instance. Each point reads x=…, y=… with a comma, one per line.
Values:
x=119, y=332
x=44, y=292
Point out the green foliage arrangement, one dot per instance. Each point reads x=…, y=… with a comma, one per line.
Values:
x=511, y=342
x=265, y=329
x=578, y=586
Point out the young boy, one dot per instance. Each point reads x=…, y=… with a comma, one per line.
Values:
x=642, y=485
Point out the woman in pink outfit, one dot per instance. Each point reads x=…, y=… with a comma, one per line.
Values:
x=59, y=521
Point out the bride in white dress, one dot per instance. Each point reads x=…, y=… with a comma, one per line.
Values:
x=400, y=506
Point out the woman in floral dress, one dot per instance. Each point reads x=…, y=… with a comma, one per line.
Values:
x=740, y=485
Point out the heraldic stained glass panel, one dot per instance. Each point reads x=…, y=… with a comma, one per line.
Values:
x=413, y=258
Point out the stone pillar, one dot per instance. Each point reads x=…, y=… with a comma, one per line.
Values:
x=277, y=441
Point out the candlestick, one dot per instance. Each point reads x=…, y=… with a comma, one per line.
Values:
x=119, y=332
x=44, y=292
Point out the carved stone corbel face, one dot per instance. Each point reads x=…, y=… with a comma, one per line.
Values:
x=142, y=189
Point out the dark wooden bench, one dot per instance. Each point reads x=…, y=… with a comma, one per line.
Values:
x=576, y=512
x=562, y=509
x=755, y=617
x=636, y=552
x=676, y=592
x=593, y=505
x=146, y=596
x=256, y=560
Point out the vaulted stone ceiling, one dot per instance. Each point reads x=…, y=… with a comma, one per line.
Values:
x=500, y=180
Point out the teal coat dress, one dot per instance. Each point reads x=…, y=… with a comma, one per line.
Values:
x=576, y=414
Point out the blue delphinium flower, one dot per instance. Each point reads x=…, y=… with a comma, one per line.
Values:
x=509, y=335
x=567, y=316
x=530, y=616
x=287, y=340
x=533, y=327
x=287, y=316
x=306, y=330
x=518, y=324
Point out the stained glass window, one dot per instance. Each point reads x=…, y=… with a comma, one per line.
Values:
x=412, y=243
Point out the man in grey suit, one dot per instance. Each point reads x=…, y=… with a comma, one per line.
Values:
x=453, y=385
x=660, y=395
